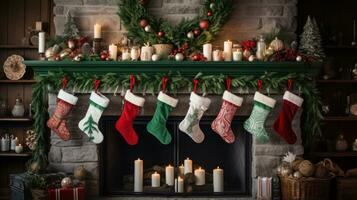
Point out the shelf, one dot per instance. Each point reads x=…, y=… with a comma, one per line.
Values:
x=336, y=154
x=340, y=47
x=18, y=47
x=14, y=154
x=17, y=81
x=340, y=118
x=15, y=119
x=336, y=81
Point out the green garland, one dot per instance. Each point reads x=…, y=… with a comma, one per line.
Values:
x=131, y=12
x=152, y=84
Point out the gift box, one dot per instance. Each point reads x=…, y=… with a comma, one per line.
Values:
x=66, y=194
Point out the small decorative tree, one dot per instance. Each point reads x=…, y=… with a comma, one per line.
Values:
x=90, y=126
x=310, y=40
x=70, y=28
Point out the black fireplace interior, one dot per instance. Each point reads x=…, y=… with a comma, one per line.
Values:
x=117, y=158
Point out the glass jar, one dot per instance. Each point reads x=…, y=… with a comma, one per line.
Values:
x=19, y=109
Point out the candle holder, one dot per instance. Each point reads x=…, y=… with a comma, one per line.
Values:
x=97, y=45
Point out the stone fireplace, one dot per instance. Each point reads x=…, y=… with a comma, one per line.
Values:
x=261, y=159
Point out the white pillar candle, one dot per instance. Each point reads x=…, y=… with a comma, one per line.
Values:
x=170, y=175
x=146, y=53
x=138, y=175
x=14, y=143
x=228, y=50
x=200, y=175
x=218, y=180
x=207, y=51
x=97, y=31
x=181, y=170
x=217, y=55
x=188, y=166
x=180, y=188
x=19, y=148
x=155, y=180
x=237, y=55
x=41, y=42
x=125, y=55
x=113, y=51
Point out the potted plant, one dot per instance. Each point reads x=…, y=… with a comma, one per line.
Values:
x=37, y=185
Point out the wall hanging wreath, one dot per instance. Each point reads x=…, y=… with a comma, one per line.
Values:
x=188, y=35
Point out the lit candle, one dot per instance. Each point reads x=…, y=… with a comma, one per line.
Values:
x=138, y=175
x=207, y=51
x=97, y=31
x=188, y=166
x=217, y=55
x=179, y=185
x=113, y=50
x=38, y=26
x=170, y=175
x=237, y=55
x=200, y=176
x=19, y=148
x=41, y=42
x=218, y=180
x=228, y=50
x=155, y=180
x=181, y=170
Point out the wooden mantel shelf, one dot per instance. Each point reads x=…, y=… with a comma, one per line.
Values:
x=184, y=67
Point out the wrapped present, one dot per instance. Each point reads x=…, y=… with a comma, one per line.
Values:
x=66, y=194
x=264, y=191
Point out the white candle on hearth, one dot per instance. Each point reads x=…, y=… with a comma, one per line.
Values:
x=228, y=50
x=237, y=55
x=207, y=51
x=170, y=175
x=200, y=175
x=113, y=51
x=41, y=42
x=181, y=170
x=155, y=180
x=217, y=55
x=218, y=180
x=188, y=166
x=97, y=31
x=180, y=188
x=138, y=175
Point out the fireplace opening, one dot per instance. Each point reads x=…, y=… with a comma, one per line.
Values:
x=117, y=159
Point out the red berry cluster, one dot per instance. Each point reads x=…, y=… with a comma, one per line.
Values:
x=198, y=57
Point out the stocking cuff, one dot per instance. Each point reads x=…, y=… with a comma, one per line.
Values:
x=232, y=98
x=293, y=98
x=67, y=97
x=167, y=99
x=264, y=99
x=99, y=99
x=199, y=100
x=132, y=98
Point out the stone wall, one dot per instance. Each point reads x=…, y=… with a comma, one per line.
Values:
x=249, y=17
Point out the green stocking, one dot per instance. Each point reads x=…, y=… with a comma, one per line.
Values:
x=255, y=123
x=157, y=125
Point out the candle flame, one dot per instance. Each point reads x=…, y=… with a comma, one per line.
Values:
x=155, y=173
x=169, y=165
x=181, y=165
x=187, y=158
x=217, y=167
x=199, y=168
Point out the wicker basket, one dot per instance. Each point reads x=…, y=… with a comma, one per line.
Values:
x=163, y=50
x=305, y=188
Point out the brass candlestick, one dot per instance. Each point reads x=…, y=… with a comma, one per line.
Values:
x=97, y=45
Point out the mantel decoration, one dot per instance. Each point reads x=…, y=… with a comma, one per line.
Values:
x=152, y=83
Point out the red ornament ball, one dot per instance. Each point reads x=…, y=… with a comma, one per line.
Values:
x=209, y=13
x=185, y=45
x=104, y=55
x=196, y=32
x=161, y=34
x=143, y=23
x=204, y=24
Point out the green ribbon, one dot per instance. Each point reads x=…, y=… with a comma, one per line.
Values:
x=96, y=105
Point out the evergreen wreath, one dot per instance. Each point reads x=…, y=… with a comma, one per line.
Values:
x=83, y=82
x=143, y=27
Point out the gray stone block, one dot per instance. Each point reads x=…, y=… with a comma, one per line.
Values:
x=69, y=143
x=277, y=150
x=55, y=155
x=88, y=153
x=265, y=165
x=95, y=2
x=91, y=167
x=68, y=2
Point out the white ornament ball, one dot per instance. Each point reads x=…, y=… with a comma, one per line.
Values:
x=179, y=57
x=298, y=58
x=297, y=174
x=190, y=35
x=147, y=28
x=155, y=57
x=251, y=58
x=66, y=182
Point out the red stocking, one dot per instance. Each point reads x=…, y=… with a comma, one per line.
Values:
x=124, y=125
x=291, y=104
